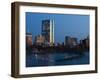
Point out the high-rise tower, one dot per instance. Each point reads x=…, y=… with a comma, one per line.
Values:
x=48, y=31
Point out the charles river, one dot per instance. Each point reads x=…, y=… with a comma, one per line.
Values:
x=56, y=59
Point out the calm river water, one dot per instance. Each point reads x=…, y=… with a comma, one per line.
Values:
x=56, y=59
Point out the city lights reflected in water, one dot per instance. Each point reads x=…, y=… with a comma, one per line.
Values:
x=53, y=59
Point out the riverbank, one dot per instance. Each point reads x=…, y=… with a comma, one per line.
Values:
x=56, y=49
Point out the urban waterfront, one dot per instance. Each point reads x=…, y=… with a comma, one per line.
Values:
x=56, y=59
x=52, y=39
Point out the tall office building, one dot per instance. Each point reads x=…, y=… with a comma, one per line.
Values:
x=48, y=31
x=70, y=41
x=85, y=42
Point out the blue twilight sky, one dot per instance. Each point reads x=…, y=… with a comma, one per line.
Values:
x=64, y=25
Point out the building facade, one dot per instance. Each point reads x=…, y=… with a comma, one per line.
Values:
x=48, y=31
x=70, y=41
x=39, y=40
x=85, y=42
x=29, y=41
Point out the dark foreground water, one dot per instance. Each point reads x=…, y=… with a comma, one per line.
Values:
x=56, y=59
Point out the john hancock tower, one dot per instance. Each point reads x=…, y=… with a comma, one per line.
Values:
x=48, y=31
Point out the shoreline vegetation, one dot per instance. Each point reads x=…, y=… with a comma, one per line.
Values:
x=57, y=49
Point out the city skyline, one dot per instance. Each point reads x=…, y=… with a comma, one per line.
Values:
x=81, y=30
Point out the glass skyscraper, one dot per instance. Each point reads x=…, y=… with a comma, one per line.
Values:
x=48, y=31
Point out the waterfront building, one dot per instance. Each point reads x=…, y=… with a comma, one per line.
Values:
x=48, y=31
x=70, y=41
x=74, y=41
x=85, y=42
x=39, y=40
x=29, y=41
